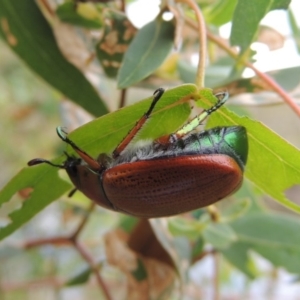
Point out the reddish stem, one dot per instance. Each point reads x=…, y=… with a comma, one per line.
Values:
x=87, y=257
x=83, y=222
x=57, y=241
x=266, y=78
x=73, y=240
x=274, y=85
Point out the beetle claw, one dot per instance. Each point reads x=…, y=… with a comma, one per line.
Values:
x=61, y=133
x=222, y=96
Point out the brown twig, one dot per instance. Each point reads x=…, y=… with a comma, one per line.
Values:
x=265, y=77
x=83, y=222
x=216, y=281
x=122, y=98
x=123, y=6
x=47, y=7
x=87, y=257
x=73, y=240
x=46, y=282
x=56, y=241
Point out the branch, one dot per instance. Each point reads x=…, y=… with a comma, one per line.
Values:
x=87, y=257
x=266, y=78
x=83, y=222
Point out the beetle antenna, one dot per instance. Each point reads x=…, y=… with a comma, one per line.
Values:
x=138, y=126
x=37, y=161
x=93, y=164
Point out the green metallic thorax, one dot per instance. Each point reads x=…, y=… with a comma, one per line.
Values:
x=231, y=141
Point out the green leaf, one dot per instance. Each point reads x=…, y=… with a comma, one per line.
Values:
x=146, y=53
x=274, y=236
x=127, y=223
x=237, y=255
x=287, y=78
x=80, y=278
x=140, y=273
x=198, y=247
x=246, y=18
x=118, y=34
x=220, y=12
x=189, y=228
x=219, y=235
x=236, y=210
x=280, y=4
x=272, y=230
x=295, y=28
x=273, y=164
x=68, y=13
x=99, y=136
x=286, y=258
x=28, y=34
x=42, y=180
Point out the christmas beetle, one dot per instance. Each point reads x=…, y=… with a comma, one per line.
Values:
x=171, y=175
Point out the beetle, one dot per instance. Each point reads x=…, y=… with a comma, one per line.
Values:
x=174, y=174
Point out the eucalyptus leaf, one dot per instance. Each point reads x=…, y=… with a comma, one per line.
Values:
x=219, y=235
x=273, y=164
x=275, y=231
x=220, y=12
x=146, y=53
x=47, y=187
x=117, y=36
x=276, y=237
x=246, y=18
x=28, y=34
x=80, y=278
x=189, y=228
x=237, y=255
x=295, y=28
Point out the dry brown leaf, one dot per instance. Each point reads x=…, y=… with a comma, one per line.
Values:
x=272, y=38
x=147, y=278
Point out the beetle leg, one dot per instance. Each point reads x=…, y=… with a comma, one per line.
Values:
x=93, y=164
x=72, y=192
x=132, y=133
x=195, y=122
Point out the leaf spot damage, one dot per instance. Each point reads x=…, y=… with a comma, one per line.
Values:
x=15, y=203
x=11, y=39
x=110, y=44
